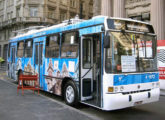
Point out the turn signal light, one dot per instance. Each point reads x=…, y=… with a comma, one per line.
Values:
x=110, y=89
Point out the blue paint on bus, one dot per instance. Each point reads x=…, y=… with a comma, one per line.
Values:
x=135, y=78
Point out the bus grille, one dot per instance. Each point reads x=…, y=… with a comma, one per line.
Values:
x=132, y=92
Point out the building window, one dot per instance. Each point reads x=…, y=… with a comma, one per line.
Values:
x=8, y=16
x=11, y=14
x=64, y=2
x=69, y=47
x=18, y=12
x=33, y=11
x=20, y=49
x=10, y=2
x=63, y=16
x=73, y=3
x=51, y=13
x=143, y=17
x=146, y=17
x=52, y=46
x=28, y=48
x=1, y=18
x=83, y=6
x=91, y=8
x=1, y=4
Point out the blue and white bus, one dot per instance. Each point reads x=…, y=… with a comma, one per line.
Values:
x=108, y=63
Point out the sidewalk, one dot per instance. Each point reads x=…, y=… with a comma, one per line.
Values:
x=162, y=92
x=33, y=106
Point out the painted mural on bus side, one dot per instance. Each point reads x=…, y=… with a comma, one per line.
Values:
x=55, y=73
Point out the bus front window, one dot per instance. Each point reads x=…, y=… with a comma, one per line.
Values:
x=130, y=52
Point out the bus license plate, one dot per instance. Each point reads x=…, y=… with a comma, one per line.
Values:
x=138, y=103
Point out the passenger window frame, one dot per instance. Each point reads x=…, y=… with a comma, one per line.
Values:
x=68, y=44
x=90, y=62
x=48, y=46
x=18, y=49
x=31, y=48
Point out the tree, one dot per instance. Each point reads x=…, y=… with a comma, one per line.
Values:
x=1, y=60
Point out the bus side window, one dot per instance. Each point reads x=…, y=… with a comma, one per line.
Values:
x=52, y=46
x=28, y=48
x=20, y=49
x=69, y=45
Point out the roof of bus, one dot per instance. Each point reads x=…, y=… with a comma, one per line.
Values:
x=58, y=28
x=65, y=27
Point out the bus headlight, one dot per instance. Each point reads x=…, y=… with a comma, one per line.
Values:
x=153, y=85
x=121, y=88
x=116, y=89
x=157, y=84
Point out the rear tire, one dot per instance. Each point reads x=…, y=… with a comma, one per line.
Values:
x=70, y=94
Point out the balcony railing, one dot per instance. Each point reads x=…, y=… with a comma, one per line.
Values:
x=50, y=19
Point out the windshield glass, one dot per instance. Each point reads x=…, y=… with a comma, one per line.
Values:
x=130, y=52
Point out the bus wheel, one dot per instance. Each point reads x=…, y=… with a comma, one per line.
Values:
x=70, y=94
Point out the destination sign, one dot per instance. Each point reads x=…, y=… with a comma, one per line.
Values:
x=129, y=25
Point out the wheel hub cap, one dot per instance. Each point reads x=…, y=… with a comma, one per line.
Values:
x=69, y=94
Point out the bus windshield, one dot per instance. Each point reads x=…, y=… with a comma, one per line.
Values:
x=131, y=52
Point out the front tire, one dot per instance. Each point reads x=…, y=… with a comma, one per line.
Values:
x=70, y=94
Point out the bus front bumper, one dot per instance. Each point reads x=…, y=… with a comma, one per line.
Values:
x=119, y=100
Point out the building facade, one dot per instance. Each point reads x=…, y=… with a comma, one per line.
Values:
x=21, y=14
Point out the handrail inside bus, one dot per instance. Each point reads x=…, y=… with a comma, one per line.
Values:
x=86, y=72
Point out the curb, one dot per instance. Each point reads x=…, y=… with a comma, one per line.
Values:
x=162, y=92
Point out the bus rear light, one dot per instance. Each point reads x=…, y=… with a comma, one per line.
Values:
x=110, y=89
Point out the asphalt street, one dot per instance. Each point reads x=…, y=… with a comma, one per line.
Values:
x=34, y=107
x=151, y=111
x=50, y=107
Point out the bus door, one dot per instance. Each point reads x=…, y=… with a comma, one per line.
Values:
x=12, y=65
x=38, y=61
x=90, y=69
x=86, y=68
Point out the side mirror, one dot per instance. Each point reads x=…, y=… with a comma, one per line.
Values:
x=107, y=41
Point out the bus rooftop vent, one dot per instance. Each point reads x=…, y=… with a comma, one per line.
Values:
x=28, y=30
x=73, y=20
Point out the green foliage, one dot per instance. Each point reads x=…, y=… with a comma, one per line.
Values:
x=1, y=60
